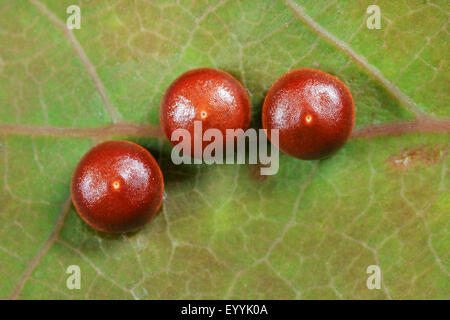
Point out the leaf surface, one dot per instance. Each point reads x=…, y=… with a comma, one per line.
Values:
x=224, y=231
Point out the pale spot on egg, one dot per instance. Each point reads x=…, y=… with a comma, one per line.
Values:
x=116, y=185
x=92, y=187
x=182, y=111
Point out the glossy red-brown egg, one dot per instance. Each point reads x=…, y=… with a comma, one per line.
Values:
x=211, y=96
x=313, y=111
x=117, y=187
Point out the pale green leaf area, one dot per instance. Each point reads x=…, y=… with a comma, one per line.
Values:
x=225, y=231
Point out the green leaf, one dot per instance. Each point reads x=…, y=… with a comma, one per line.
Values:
x=224, y=231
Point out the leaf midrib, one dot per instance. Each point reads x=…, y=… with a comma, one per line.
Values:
x=423, y=125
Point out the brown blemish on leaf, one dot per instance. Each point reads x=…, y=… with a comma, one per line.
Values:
x=428, y=155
